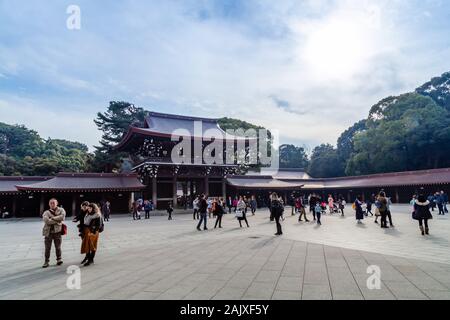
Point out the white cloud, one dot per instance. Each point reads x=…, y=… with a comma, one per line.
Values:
x=329, y=60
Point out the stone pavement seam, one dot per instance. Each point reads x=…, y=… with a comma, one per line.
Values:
x=443, y=284
x=284, y=265
x=195, y=287
x=382, y=281
x=328, y=274
x=273, y=250
x=353, y=276
x=410, y=280
x=304, y=272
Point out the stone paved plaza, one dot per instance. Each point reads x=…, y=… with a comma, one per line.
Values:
x=161, y=259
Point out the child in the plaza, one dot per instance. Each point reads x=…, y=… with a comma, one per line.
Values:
x=323, y=207
x=318, y=212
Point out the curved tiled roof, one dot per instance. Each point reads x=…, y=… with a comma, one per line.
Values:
x=262, y=182
x=8, y=184
x=164, y=125
x=394, y=179
x=286, y=173
x=87, y=182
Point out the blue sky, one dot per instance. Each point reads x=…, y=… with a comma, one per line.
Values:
x=307, y=68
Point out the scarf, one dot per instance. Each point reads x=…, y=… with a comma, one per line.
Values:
x=89, y=217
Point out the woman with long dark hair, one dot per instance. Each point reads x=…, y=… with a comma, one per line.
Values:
x=218, y=211
x=92, y=227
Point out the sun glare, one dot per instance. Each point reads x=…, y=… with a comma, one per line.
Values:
x=337, y=49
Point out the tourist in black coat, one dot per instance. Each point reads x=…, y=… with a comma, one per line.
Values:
x=422, y=213
x=80, y=217
x=218, y=211
x=312, y=204
x=276, y=208
x=202, y=208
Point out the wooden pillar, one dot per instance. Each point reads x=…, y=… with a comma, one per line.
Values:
x=14, y=206
x=206, y=185
x=187, y=197
x=74, y=205
x=131, y=200
x=397, y=198
x=174, y=191
x=224, y=189
x=41, y=205
x=191, y=186
x=154, y=192
x=349, y=197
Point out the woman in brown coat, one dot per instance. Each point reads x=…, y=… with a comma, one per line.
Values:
x=91, y=230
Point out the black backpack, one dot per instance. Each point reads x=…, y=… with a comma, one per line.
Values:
x=277, y=207
x=102, y=225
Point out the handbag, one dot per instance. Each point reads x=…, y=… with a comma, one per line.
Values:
x=102, y=225
x=63, y=229
x=239, y=214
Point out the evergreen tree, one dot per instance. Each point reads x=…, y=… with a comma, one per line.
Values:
x=292, y=156
x=114, y=123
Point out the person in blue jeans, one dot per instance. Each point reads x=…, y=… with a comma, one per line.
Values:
x=202, y=208
x=440, y=202
x=318, y=211
x=445, y=201
x=147, y=208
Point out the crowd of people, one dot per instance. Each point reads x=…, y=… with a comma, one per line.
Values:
x=91, y=216
x=141, y=205
x=205, y=207
x=438, y=200
x=146, y=206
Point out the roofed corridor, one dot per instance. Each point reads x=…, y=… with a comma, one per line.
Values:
x=161, y=259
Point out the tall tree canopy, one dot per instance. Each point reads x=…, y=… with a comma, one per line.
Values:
x=292, y=156
x=409, y=132
x=230, y=123
x=346, y=141
x=438, y=89
x=325, y=162
x=24, y=152
x=401, y=133
x=114, y=123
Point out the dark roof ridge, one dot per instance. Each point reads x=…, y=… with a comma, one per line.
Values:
x=24, y=178
x=177, y=116
x=387, y=174
x=95, y=174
